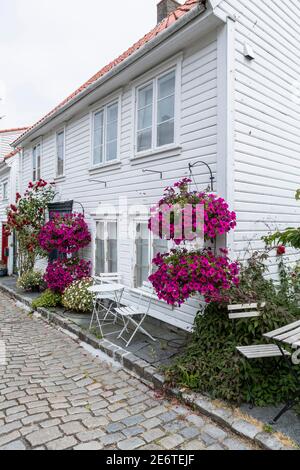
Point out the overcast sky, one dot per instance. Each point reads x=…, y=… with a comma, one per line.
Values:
x=50, y=47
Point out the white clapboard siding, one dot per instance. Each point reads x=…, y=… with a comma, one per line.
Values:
x=197, y=137
x=267, y=120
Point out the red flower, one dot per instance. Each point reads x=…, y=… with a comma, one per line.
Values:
x=13, y=208
x=281, y=250
x=18, y=197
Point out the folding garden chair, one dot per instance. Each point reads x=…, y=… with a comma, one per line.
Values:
x=141, y=309
x=102, y=296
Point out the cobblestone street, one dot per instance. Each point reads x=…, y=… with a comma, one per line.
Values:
x=55, y=395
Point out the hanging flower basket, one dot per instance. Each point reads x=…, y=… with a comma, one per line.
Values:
x=66, y=234
x=182, y=274
x=184, y=215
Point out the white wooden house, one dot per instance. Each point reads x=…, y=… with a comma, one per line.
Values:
x=216, y=81
x=9, y=184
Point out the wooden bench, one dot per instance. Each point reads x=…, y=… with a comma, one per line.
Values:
x=261, y=351
x=238, y=311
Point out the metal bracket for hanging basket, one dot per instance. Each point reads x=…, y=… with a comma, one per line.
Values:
x=154, y=171
x=98, y=181
x=212, y=178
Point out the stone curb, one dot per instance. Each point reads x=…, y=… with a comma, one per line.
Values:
x=226, y=417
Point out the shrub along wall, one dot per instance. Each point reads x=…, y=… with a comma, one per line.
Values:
x=211, y=363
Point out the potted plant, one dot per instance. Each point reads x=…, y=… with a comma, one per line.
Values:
x=3, y=269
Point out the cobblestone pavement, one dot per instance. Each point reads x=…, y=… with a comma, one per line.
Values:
x=55, y=395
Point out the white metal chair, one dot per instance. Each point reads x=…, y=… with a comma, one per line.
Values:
x=106, y=278
x=141, y=309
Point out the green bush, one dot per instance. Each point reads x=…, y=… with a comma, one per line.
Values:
x=31, y=280
x=77, y=298
x=211, y=363
x=48, y=299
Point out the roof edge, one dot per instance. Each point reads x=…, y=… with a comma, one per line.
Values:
x=152, y=44
x=15, y=129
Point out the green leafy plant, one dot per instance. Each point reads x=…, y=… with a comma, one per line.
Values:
x=26, y=218
x=77, y=297
x=48, y=299
x=211, y=363
x=289, y=237
x=31, y=280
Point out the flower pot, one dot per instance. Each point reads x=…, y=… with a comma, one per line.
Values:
x=3, y=272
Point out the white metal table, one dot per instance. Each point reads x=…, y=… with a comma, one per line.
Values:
x=102, y=292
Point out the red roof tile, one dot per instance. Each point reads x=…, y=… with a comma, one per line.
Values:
x=17, y=129
x=12, y=154
x=164, y=24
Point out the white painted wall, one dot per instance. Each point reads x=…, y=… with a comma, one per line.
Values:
x=6, y=139
x=197, y=138
x=267, y=118
x=250, y=136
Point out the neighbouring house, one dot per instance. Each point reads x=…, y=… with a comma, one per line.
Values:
x=9, y=184
x=216, y=82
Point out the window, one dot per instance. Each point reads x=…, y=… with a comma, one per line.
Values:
x=36, y=162
x=147, y=248
x=156, y=113
x=105, y=134
x=60, y=153
x=5, y=191
x=106, y=247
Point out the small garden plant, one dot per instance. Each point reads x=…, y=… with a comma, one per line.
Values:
x=77, y=298
x=48, y=299
x=31, y=281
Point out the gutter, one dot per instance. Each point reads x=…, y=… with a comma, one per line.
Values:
x=166, y=34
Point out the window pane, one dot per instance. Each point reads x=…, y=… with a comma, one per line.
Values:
x=145, y=118
x=112, y=131
x=100, y=255
x=145, y=96
x=165, y=133
x=60, y=153
x=100, y=259
x=60, y=167
x=166, y=85
x=160, y=246
x=98, y=121
x=112, y=113
x=144, y=140
x=98, y=138
x=112, y=246
x=166, y=109
x=111, y=151
x=98, y=155
x=142, y=254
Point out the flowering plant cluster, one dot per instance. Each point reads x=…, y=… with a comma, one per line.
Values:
x=66, y=234
x=26, y=218
x=77, y=296
x=62, y=273
x=177, y=216
x=182, y=274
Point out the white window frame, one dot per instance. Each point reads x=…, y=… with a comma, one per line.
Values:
x=137, y=221
x=157, y=73
x=106, y=221
x=5, y=185
x=32, y=166
x=116, y=99
x=60, y=131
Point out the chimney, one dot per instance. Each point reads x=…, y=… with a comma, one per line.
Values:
x=165, y=7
